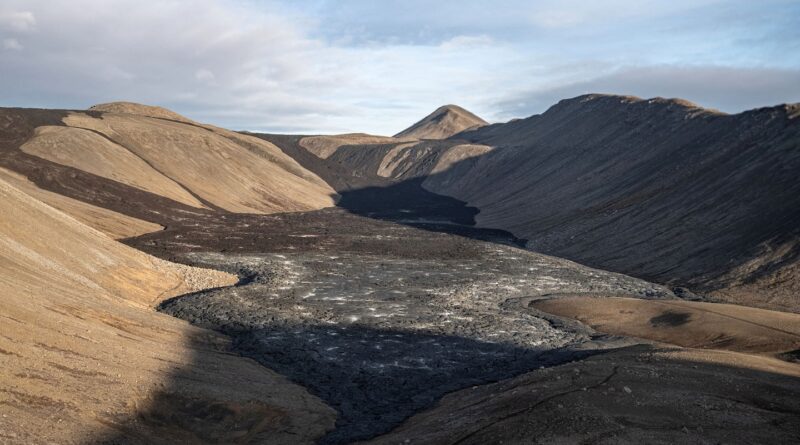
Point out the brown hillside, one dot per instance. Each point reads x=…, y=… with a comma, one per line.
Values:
x=86, y=358
x=188, y=164
x=139, y=109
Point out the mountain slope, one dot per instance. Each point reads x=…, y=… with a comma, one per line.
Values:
x=216, y=168
x=444, y=122
x=659, y=188
x=656, y=188
x=114, y=224
x=153, y=168
x=89, y=151
x=324, y=146
x=85, y=354
x=141, y=110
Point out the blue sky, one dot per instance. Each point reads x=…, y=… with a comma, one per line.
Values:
x=377, y=66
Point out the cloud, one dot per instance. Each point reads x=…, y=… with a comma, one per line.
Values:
x=461, y=42
x=224, y=57
x=233, y=65
x=20, y=21
x=204, y=75
x=578, y=13
x=12, y=45
x=324, y=67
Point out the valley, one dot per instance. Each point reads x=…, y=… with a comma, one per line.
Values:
x=337, y=289
x=377, y=318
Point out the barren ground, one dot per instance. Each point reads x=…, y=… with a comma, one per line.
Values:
x=376, y=318
x=393, y=309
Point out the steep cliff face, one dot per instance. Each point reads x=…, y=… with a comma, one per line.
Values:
x=657, y=188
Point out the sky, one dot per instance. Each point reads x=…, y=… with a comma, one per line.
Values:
x=320, y=66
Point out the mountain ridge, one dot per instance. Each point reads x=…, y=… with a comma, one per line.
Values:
x=638, y=186
x=442, y=123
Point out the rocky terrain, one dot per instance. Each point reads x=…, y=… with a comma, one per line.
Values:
x=401, y=289
x=660, y=189
x=640, y=394
x=379, y=319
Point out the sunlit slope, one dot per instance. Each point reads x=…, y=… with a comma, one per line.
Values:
x=165, y=154
x=113, y=224
x=444, y=122
x=84, y=354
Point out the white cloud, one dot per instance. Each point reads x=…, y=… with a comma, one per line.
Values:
x=204, y=75
x=19, y=21
x=464, y=41
x=12, y=45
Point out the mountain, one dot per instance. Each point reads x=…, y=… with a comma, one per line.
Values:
x=384, y=304
x=82, y=344
x=148, y=162
x=446, y=121
x=141, y=110
x=657, y=188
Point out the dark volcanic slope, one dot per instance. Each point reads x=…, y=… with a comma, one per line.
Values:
x=631, y=396
x=656, y=188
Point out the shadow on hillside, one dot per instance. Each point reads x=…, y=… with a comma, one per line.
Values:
x=194, y=405
x=408, y=203
x=403, y=202
x=372, y=378
x=689, y=214
x=218, y=398
x=376, y=378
